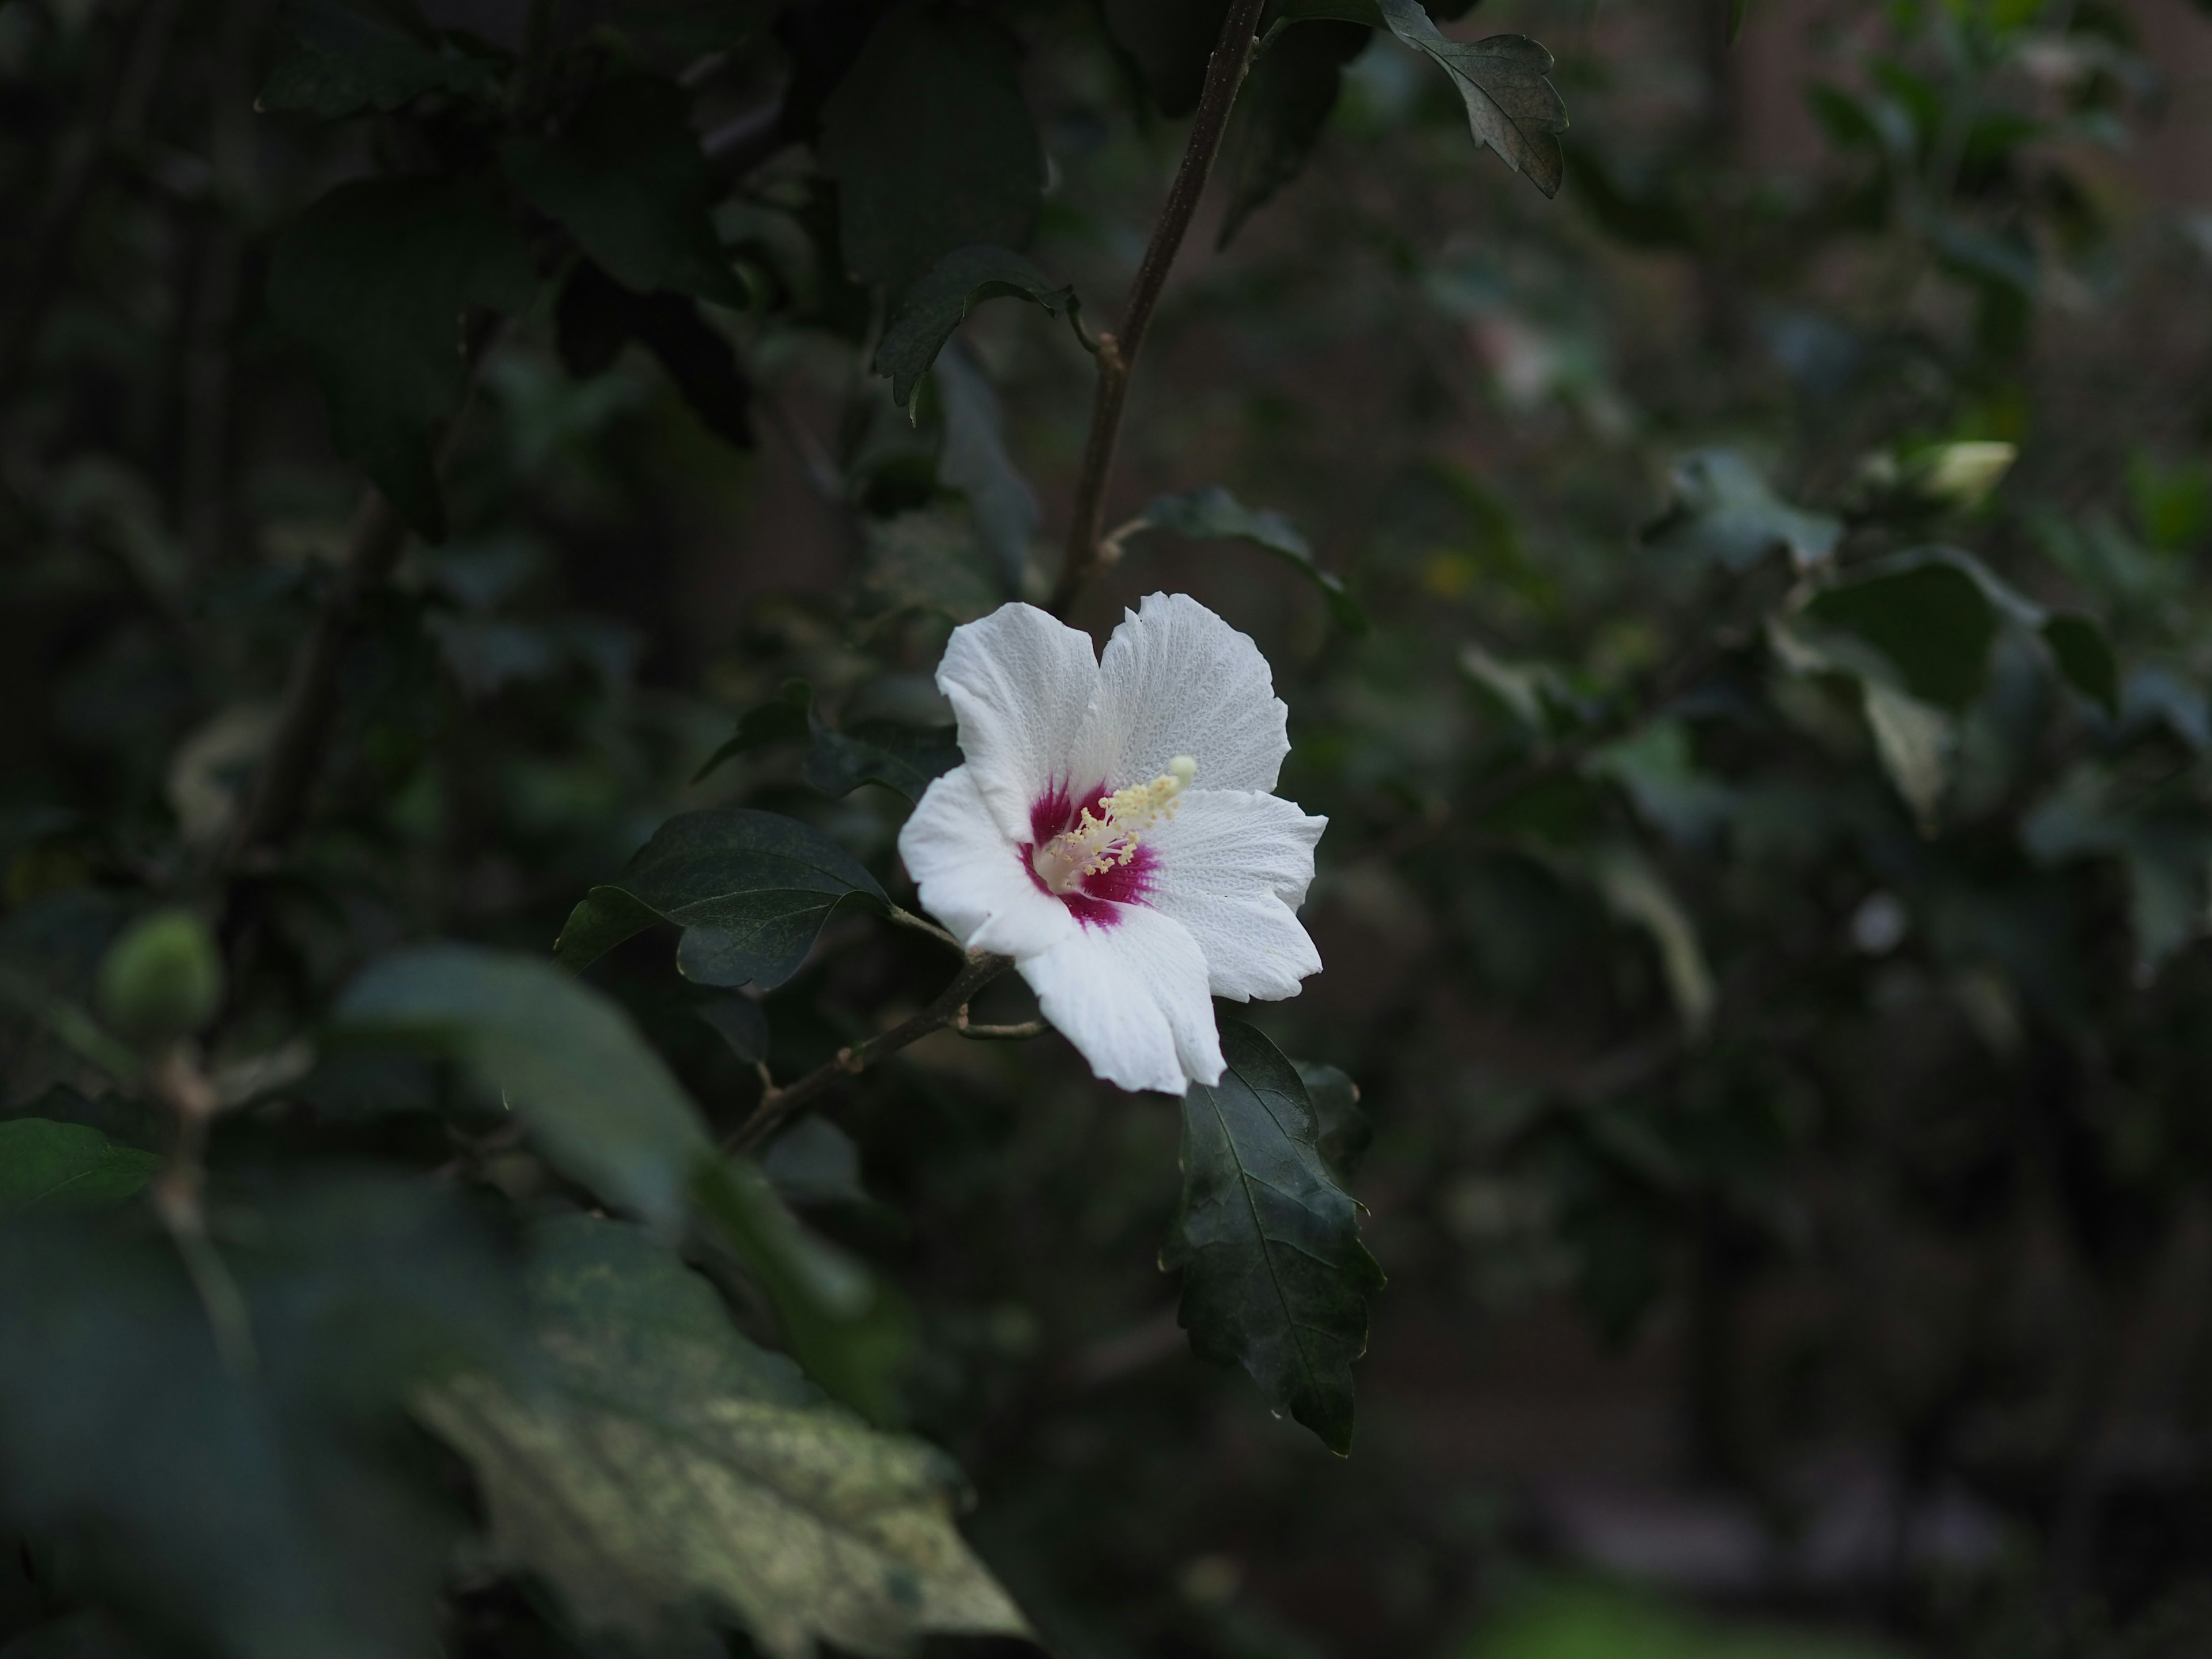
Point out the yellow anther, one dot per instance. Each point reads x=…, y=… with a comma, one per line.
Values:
x=1101, y=841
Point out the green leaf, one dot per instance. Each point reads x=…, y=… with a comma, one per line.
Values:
x=1736, y=12
x=750, y=890
x=928, y=560
x=598, y=1101
x=1274, y=1276
x=928, y=310
x=1637, y=893
x=1723, y=512
x=604, y=1108
x=660, y=1468
x=2085, y=657
x=358, y=55
x=598, y=316
x=1280, y=114
x=2163, y=844
x=1510, y=105
x=1915, y=743
x=1169, y=42
x=45, y=1164
x=372, y=281
x=1346, y=1130
x=1931, y=618
x=1214, y=514
x=975, y=462
x=904, y=758
x=626, y=179
x=263, y=1514
x=931, y=143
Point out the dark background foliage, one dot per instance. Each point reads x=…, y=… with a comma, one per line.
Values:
x=1744, y=615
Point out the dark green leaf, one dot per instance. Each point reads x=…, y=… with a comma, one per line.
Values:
x=904, y=758
x=357, y=55
x=750, y=890
x=372, y=281
x=815, y=1162
x=1723, y=512
x=44, y=1165
x=600, y=1103
x=1214, y=514
x=1932, y=619
x=2084, y=656
x=1280, y=114
x=662, y=1469
x=260, y=1515
x=738, y=1021
x=598, y=316
x=1511, y=104
x=1736, y=11
x=603, y=1108
x=931, y=143
x=1274, y=1276
x=1346, y=1130
x=2163, y=844
x=975, y=462
x=1170, y=42
x=628, y=180
x=928, y=560
x=928, y=310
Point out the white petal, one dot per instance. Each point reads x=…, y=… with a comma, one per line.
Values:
x=1176, y=679
x=1233, y=867
x=971, y=875
x=1132, y=999
x=1021, y=684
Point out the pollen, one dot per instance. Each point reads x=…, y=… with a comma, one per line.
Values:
x=1101, y=841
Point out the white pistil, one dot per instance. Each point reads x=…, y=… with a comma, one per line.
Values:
x=1100, y=841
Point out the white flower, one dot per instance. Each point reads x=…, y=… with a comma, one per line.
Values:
x=1114, y=833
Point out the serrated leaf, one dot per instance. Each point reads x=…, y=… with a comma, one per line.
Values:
x=48, y=1165
x=1346, y=1130
x=1275, y=1279
x=626, y=179
x=1511, y=104
x=929, y=309
x=604, y=1109
x=931, y=143
x=1931, y=618
x=372, y=281
x=358, y=55
x=658, y=1469
x=1280, y=114
x=260, y=1515
x=598, y=316
x=1724, y=512
x=1214, y=514
x=750, y=890
x=2085, y=657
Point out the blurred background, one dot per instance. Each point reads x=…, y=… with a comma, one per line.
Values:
x=1787, y=1080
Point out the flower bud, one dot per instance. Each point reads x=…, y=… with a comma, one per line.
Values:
x=162, y=979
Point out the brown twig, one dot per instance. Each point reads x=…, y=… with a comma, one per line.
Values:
x=1117, y=352
x=949, y=1008
x=180, y=1199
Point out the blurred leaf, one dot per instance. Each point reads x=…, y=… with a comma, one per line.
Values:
x=928, y=310
x=2163, y=844
x=2085, y=658
x=750, y=890
x=605, y=1109
x=1931, y=618
x=1723, y=512
x=975, y=462
x=598, y=316
x=815, y=1162
x=1915, y=742
x=738, y=1021
x=656, y=1468
x=928, y=560
x=1274, y=1276
x=357, y=55
x=1170, y=42
x=597, y=1099
x=48, y=1165
x=1510, y=106
x=1736, y=12
x=626, y=177
x=1604, y=1621
x=904, y=758
x=1214, y=514
x=162, y=979
x=931, y=143
x=1280, y=114
x=372, y=281
x=267, y=1515
x=1636, y=892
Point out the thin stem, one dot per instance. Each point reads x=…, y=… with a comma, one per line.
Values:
x=1117, y=352
x=949, y=1008
x=923, y=925
x=180, y=1198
